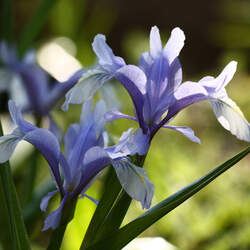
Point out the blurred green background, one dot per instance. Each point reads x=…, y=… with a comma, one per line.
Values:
x=217, y=31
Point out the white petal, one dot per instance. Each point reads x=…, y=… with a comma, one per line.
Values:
x=231, y=118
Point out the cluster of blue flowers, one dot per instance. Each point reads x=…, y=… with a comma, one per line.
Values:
x=158, y=95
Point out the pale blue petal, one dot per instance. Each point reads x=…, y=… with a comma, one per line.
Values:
x=99, y=119
x=54, y=128
x=45, y=201
x=86, y=87
x=174, y=45
x=107, y=59
x=231, y=118
x=110, y=96
x=145, y=63
x=86, y=113
x=135, y=182
x=155, y=42
x=188, y=132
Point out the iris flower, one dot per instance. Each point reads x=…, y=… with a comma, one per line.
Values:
x=156, y=87
x=86, y=155
x=28, y=84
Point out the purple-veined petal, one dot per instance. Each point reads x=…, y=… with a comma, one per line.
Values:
x=66, y=171
x=17, y=118
x=45, y=201
x=86, y=87
x=174, y=45
x=188, y=132
x=134, y=80
x=134, y=181
x=115, y=114
x=155, y=42
x=8, y=144
x=231, y=118
x=53, y=219
x=107, y=59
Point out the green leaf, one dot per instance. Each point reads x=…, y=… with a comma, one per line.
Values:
x=18, y=234
x=35, y=24
x=118, y=239
x=112, y=190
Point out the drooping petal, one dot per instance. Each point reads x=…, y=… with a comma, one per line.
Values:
x=188, y=132
x=8, y=144
x=135, y=182
x=231, y=118
x=86, y=87
x=155, y=42
x=115, y=114
x=53, y=219
x=45, y=201
x=174, y=45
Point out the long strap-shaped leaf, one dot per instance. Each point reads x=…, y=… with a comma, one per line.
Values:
x=17, y=228
x=127, y=233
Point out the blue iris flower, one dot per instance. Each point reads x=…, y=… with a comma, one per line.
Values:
x=156, y=87
x=85, y=156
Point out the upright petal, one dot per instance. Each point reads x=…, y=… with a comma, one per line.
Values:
x=107, y=59
x=135, y=182
x=155, y=42
x=174, y=45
